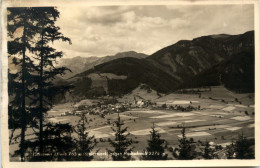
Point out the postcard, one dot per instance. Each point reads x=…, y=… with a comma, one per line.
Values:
x=130, y=83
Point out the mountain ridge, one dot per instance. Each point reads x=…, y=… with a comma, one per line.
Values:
x=199, y=53
x=79, y=64
x=169, y=68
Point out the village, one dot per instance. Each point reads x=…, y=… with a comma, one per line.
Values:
x=103, y=107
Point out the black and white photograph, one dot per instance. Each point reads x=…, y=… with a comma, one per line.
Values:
x=129, y=82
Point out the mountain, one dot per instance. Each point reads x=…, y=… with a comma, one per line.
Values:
x=131, y=54
x=208, y=60
x=121, y=76
x=80, y=64
x=76, y=64
x=236, y=74
x=185, y=58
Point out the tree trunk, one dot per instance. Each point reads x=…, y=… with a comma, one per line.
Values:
x=41, y=99
x=23, y=113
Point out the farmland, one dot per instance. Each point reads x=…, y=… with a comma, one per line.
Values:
x=218, y=117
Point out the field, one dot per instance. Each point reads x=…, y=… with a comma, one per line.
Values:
x=219, y=120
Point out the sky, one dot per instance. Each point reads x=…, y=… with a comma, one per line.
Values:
x=107, y=30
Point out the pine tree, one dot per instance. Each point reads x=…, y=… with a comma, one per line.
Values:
x=186, y=152
x=33, y=81
x=58, y=144
x=121, y=143
x=13, y=112
x=84, y=143
x=20, y=20
x=243, y=148
x=155, y=149
x=47, y=57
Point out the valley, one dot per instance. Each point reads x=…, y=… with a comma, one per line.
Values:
x=217, y=115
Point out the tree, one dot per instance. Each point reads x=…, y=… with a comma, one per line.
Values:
x=186, y=152
x=164, y=106
x=13, y=112
x=155, y=149
x=32, y=85
x=121, y=143
x=208, y=152
x=243, y=148
x=84, y=143
x=20, y=21
x=47, y=57
x=58, y=144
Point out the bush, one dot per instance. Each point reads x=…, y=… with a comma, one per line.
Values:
x=164, y=106
x=246, y=112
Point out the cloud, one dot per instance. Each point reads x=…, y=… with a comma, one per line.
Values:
x=107, y=30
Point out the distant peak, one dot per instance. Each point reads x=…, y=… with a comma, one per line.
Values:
x=130, y=54
x=127, y=52
x=219, y=36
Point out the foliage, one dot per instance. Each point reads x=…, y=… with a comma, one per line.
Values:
x=121, y=145
x=155, y=149
x=58, y=144
x=241, y=149
x=46, y=57
x=31, y=87
x=230, y=150
x=84, y=143
x=208, y=152
x=20, y=20
x=186, y=151
x=164, y=106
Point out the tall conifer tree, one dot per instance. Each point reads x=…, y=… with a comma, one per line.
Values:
x=32, y=30
x=155, y=149
x=121, y=143
x=21, y=31
x=84, y=143
x=186, y=152
x=46, y=57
